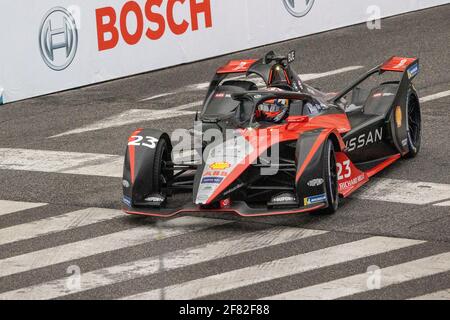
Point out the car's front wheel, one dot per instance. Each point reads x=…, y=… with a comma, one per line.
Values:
x=161, y=174
x=330, y=178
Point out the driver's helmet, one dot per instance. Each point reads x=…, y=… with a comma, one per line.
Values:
x=274, y=110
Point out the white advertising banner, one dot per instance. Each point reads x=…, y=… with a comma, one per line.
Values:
x=53, y=45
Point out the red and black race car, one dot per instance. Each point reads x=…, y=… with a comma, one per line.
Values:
x=265, y=143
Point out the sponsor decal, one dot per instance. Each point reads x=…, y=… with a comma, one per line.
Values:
x=201, y=198
x=242, y=65
x=401, y=64
x=291, y=56
x=125, y=183
x=58, y=38
x=364, y=139
x=315, y=182
x=233, y=189
x=315, y=199
x=235, y=66
x=155, y=198
x=215, y=174
x=212, y=180
x=349, y=177
x=126, y=200
x=219, y=165
x=225, y=203
x=413, y=71
x=298, y=8
x=285, y=197
x=398, y=116
x=352, y=182
x=150, y=21
x=382, y=94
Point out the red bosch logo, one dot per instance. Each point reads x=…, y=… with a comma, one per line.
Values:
x=152, y=21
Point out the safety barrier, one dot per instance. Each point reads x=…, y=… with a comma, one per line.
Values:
x=53, y=45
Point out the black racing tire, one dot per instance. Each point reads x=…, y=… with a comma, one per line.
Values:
x=161, y=174
x=414, y=125
x=330, y=178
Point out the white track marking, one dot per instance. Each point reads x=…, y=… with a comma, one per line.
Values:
x=439, y=295
x=173, y=260
x=443, y=204
x=362, y=282
x=403, y=191
x=59, y=223
x=102, y=244
x=162, y=95
x=7, y=207
x=277, y=269
x=134, y=116
x=93, y=164
x=313, y=76
x=435, y=96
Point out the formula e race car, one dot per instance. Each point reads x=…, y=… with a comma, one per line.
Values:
x=265, y=143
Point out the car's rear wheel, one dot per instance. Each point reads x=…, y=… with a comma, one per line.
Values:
x=330, y=178
x=414, y=121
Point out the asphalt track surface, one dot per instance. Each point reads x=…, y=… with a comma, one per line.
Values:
x=50, y=221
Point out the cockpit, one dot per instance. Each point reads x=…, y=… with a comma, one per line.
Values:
x=237, y=87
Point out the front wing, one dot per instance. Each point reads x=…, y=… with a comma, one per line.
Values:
x=240, y=208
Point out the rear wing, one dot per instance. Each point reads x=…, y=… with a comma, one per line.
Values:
x=408, y=66
x=232, y=67
x=241, y=66
x=400, y=64
x=236, y=66
x=409, y=69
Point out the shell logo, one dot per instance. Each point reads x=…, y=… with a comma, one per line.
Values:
x=219, y=165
